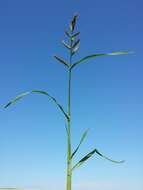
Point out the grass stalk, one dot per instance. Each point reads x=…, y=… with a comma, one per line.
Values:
x=69, y=163
x=69, y=160
x=73, y=47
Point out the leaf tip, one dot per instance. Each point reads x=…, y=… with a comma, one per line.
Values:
x=73, y=21
x=122, y=161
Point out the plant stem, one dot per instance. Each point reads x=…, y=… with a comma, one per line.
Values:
x=69, y=161
x=69, y=174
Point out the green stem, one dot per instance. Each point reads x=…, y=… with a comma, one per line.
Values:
x=69, y=166
x=69, y=161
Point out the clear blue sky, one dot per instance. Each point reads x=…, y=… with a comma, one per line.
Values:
x=107, y=94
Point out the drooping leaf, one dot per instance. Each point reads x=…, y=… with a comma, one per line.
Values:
x=73, y=23
x=66, y=45
x=37, y=91
x=61, y=60
x=96, y=55
x=19, y=97
x=85, y=158
x=82, y=139
x=53, y=99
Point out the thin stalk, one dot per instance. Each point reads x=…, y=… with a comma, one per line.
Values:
x=69, y=166
x=69, y=162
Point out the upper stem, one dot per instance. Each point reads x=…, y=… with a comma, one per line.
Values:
x=69, y=117
x=69, y=164
x=69, y=106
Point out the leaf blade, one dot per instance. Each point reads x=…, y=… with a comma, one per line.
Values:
x=75, y=35
x=85, y=158
x=67, y=34
x=17, y=98
x=75, y=46
x=73, y=22
x=96, y=55
x=81, y=140
x=61, y=60
x=66, y=45
x=76, y=43
x=75, y=50
x=53, y=99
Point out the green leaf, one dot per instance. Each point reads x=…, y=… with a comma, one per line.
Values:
x=19, y=97
x=85, y=158
x=74, y=35
x=68, y=35
x=61, y=60
x=73, y=23
x=82, y=139
x=53, y=99
x=75, y=50
x=41, y=92
x=75, y=47
x=76, y=43
x=96, y=55
x=66, y=45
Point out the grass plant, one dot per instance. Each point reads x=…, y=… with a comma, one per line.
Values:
x=72, y=45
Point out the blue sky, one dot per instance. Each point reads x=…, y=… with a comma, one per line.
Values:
x=106, y=94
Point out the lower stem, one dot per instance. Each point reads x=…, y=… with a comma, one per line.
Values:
x=69, y=163
x=68, y=182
